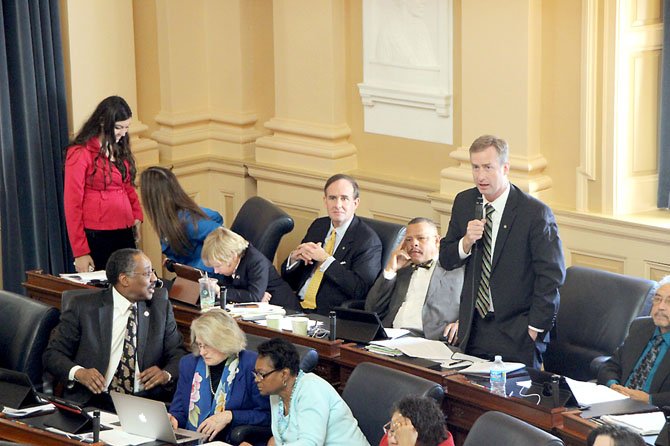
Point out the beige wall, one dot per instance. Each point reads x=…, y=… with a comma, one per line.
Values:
x=250, y=97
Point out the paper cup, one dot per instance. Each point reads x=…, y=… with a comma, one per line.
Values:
x=274, y=321
x=299, y=325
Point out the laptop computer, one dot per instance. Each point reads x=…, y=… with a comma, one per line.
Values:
x=185, y=287
x=149, y=418
x=359, y=326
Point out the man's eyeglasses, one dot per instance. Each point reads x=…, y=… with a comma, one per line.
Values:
x=658, y=299
x=144, y=273
x=261, y=376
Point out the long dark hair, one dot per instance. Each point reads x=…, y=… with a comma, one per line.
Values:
x=101, y=124
x=163, y=198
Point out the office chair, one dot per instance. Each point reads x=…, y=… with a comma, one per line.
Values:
x=596, y=310
x=372, y=390
x=25, y=327
x=263, y=224
x=254, y=434
x=505, y=430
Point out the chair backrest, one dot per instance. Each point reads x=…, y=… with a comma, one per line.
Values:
x=68, y=295
x=596, y=309
x=505, y=430
x=390, y=235
x=372, y=390
x=263, y=224
x=25, y=327
x=308, y=356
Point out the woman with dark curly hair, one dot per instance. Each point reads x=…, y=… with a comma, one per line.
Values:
x=416, y=421
x=102, y=211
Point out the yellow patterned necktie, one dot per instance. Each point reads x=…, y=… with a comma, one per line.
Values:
x=310, y=294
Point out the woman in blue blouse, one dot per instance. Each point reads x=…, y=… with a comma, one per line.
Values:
x=216, y=389
x=180, y=223
x=306, y=409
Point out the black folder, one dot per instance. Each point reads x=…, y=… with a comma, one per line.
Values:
x=359, y=326
x=16, y=390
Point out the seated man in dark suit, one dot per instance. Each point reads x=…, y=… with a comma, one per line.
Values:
x=640, y=367
x=121, y=339
x=414, y=291
x=340, y=256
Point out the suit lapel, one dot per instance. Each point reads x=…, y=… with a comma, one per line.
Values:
x=509, y=214
x=105, y=315
x=143, y=313
x=345, y=244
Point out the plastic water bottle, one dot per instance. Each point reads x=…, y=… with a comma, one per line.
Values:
x=498, y=376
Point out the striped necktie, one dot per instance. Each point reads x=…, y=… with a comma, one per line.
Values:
x=483, y=301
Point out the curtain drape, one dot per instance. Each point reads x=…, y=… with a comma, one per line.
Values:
x=663, y=200
x=33, y=133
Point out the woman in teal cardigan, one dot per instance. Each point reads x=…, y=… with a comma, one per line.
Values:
x=306, y=410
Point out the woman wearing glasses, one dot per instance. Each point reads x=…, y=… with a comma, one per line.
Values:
x=306, y=410
x=216, y=389
x=416, y=421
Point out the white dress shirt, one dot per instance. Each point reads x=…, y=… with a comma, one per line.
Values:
x=410, y=312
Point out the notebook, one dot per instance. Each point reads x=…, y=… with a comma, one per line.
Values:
x=149, y=418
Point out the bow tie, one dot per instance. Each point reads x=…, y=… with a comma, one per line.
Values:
x=426, y=265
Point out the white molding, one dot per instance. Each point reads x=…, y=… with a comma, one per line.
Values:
x=589, y=110
x=372, y=94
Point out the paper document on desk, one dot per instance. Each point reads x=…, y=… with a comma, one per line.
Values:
x=418, y=348
x=484, y=368
x=587, y=393
x=18, y=413
x=649, y=423
x=86, y=277
x=118, y=437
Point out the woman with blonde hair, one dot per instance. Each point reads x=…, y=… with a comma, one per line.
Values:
x=248, y=275
x=216, y=390
x=181, y=224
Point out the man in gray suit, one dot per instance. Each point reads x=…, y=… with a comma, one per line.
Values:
x=124, y=338
x=414, y=291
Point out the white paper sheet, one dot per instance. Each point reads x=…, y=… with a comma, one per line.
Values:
x=649, y=423
x=419, y=348
x=17, y=413
x=587, y=393
x=117, y=437
x=393, y=333
x=484, y=368
x=86, y=277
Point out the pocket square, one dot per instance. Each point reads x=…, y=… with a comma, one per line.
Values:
x=343, y=262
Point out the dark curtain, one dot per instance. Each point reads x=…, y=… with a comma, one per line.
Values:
x=33, y=133
x=664, y=121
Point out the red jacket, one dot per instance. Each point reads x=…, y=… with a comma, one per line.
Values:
x=91, y=204
x=448, y=442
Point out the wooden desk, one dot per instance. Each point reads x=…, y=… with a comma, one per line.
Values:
x=575, y=429
x=22, y=433
x=49, y=289
x=467, y=401
x=351, y=355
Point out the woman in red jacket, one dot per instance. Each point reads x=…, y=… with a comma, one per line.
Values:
x=102, y=210
x=416, y=421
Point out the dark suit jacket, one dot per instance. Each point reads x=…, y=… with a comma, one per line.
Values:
x=620, y=365
x=527, y=269
x=442, y=298
x=244, y=400
x=254, y=276
x=350, y=276
x=83, y=337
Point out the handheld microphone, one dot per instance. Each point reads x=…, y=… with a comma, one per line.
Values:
x=479, y=208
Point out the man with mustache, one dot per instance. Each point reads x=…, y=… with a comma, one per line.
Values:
x=414, y=291
x=121, y=339
x=640, y=367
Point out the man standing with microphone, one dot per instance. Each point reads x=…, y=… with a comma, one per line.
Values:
x=514, y=262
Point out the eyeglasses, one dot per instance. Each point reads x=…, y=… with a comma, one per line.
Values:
x=143, y=273
x=261, y=376
x=388, y=428
x=658, y=299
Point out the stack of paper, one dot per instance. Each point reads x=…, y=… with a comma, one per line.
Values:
x=19, y=413
x=649, y=423
x=380, y=349
x=418, y=348
x=588, y=393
